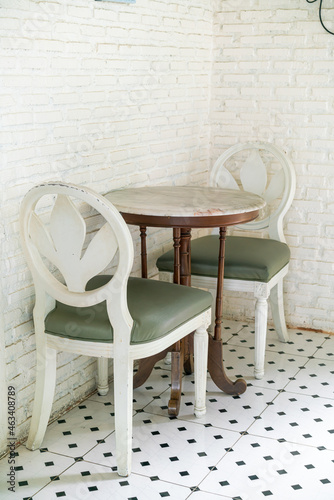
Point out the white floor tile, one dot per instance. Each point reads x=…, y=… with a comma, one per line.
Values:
x=301, y=343
x=175, y=451
x=235, y=413
x=265, y=468
x=315, y=379
x=327, y=349
x=280, y=433
x=80, y=429
x=299, y=419
x=279, y=367
x=87, y=481
x=33, y=470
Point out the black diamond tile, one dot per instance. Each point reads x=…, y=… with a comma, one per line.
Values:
x=224, y=483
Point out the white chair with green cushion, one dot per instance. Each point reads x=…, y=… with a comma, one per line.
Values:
x=255, y=264
x=81, y=311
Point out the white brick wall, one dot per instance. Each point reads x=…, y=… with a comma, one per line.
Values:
x=273, y=80
x=112, y=95
x=103, y=94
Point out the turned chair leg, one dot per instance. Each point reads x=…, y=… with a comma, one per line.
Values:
x=261, y=317
x=200, y=365
x=102, y=376
x=277, y=311
x=44, y=394
x=123, y=395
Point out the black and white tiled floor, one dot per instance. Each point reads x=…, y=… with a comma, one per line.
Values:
x=274, y=441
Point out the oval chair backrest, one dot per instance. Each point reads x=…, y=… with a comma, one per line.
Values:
x=253, y=178
x=62, y=245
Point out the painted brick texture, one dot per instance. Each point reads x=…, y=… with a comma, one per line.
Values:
x=272, y=80
x=111, y=95
x=101, y=94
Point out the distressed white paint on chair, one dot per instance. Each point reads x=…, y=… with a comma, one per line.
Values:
x=268, y=172
x=62, y=245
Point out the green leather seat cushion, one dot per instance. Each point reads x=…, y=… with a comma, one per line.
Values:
x=156, y=308
x=250, y=259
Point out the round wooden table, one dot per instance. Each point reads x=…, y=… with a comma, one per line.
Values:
x=183, y=208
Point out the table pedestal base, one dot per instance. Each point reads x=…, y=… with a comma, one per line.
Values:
x=182, y=352
x=217, y=372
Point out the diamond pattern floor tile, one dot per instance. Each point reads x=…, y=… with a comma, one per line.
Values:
x=327, y=349
x=315, y=379
x=85, y=481
x=79, y=430
x=33, y=470
x=279, y=366
x=259, y=468
x=300, y=342
x=299, y=419
x=224, y=411
x=276, y=440
x=176, y=451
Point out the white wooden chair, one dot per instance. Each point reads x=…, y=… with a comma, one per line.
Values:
x=252, y=264
x=112, y=317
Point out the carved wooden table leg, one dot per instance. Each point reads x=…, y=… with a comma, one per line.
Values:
x=176, y=378
x=143, y=251
x=145, y=368
x=180, y=250
x=215, y=358
x=177, y=265
x=185, y=279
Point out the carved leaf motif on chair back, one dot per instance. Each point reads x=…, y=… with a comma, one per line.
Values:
x=263, y=169
x=63, y=244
